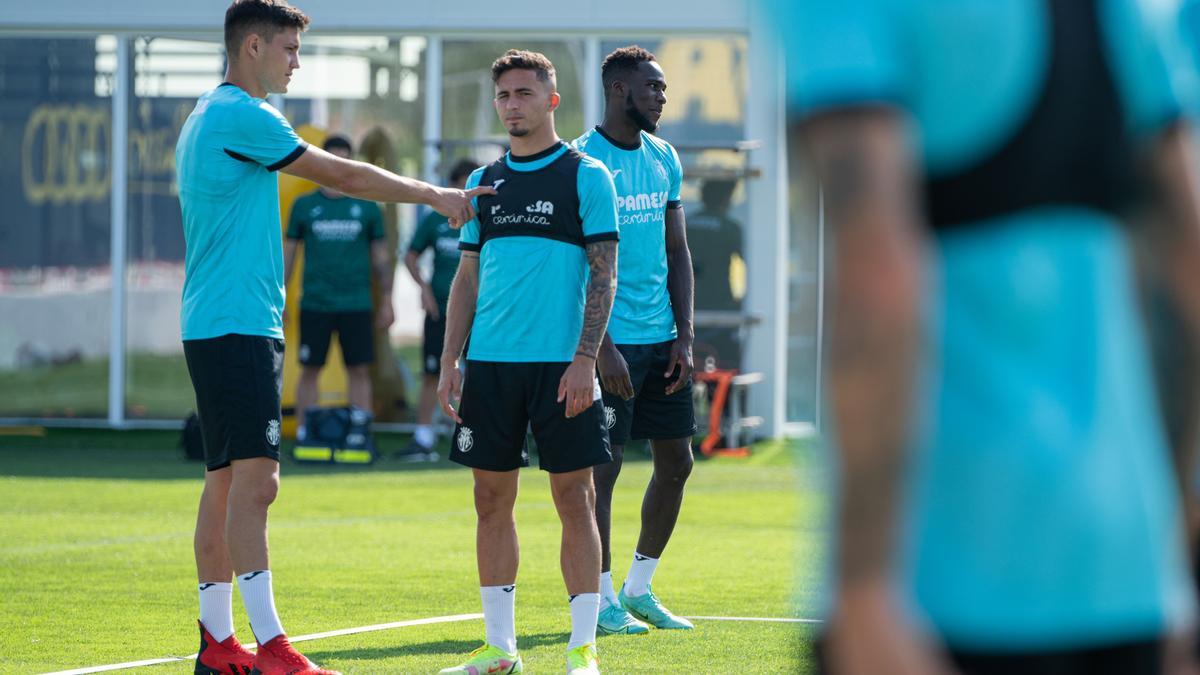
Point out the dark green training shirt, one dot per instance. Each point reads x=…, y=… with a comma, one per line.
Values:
x=337, y=236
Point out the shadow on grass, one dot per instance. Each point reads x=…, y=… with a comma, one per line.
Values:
x=454, y=650
x=155, y=455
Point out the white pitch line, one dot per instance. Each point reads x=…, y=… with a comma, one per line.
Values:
x=386, y=626
x=754, y=618
x=298, y=638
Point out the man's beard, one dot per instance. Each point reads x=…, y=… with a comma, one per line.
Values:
x=637, y=117
x=518, y=132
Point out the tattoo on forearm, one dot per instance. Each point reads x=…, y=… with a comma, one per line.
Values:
x=859, y=172
x=602, y=261
x=1177, y=366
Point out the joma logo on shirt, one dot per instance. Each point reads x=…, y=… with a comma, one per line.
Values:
x=541, y=207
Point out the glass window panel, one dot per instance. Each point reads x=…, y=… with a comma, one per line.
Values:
x=470, y=127
x=168, y=75
x=55, y=284
x=363, y=87
x=704, y=119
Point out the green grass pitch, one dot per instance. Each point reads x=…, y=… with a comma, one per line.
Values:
x=96, y=553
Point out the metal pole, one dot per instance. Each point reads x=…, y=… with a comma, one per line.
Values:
x=592, y=86
x=122, y=89
x=432, y=157
x=820, y=388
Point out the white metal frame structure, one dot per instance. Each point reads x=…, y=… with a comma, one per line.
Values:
x=589, y=20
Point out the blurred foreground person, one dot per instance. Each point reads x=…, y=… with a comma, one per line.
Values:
x=1008, y=497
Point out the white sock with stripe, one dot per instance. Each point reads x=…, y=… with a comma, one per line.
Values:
x=216, y=609
x=500, y=616
x=607, y=592
x=585, y=609
x=641, y=572
x=259, y=599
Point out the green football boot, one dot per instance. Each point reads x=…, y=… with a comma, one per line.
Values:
x=615, y=619
x=487, y=660
x=649, y=609
x=583, y=660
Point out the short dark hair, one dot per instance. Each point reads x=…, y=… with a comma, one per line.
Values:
x=622, y=62
x=266, y=17
x=337, y=141
x=461, y=169
x=516, y=59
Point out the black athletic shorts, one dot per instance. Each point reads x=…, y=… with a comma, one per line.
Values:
x=501, y=400
x=1137, y=657
x=237, y=379
x=651, y=413
x=355, y=333
x=435, y=337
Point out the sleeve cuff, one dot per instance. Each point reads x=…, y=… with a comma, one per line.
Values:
x=468, y=246
x=291, y=157
x=602, y=236
x=675, y=204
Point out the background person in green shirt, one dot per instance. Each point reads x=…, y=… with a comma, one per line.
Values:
x=434, y=232
x=343, y=241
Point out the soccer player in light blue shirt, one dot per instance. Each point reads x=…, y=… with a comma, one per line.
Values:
x=1005, y=470
x=645, y=362
x=534, y=289
x=228, y=152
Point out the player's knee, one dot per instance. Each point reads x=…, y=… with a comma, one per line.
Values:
x=264, y=491
x=309, y=374
x=677, y=472
x=575, y=498
x=493, y=503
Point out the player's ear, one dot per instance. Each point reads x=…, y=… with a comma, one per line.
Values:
x=555, y=99
x=251, y=44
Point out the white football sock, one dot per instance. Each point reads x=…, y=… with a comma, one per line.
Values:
x=585, y=609
x=607, y=592
x=641, y=572
x=424, y=435
x=216, y=609
x=499, y=616
x=259, y=599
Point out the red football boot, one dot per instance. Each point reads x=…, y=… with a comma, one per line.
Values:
x=227, y=657
x=279, y=657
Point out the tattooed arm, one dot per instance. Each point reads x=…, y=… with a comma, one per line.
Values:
x=576, y=386
x=1171, y=267
x=864, y=163
x=460, y=314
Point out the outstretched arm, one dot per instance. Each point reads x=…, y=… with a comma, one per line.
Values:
x=367, y=181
